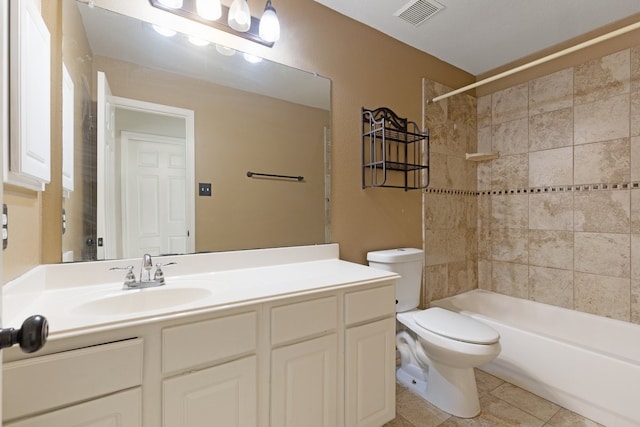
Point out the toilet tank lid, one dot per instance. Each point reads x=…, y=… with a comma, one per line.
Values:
x=456, y=326
x=396, y=255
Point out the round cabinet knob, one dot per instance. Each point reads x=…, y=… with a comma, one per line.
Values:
x=31, y=337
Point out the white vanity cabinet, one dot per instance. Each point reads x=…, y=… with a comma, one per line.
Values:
x=225, y=392
x=370, y=356
x=85, y=386
x=317, y=350
x=304, y=363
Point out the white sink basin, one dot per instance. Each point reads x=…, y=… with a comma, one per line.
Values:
x=138, y=300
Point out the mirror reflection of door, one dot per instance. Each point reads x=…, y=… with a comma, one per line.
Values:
x=146, y=182
x=153, y=195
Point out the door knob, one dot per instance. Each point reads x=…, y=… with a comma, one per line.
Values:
x=31, y=336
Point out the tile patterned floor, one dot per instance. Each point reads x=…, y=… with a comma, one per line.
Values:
x=503, y=405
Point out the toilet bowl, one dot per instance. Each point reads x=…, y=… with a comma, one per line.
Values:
x=439, y=348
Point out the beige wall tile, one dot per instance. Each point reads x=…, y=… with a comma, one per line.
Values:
x=483, y=171
x=510, y=245
x=602, y=211
x=635, y=301
x=458, y=280
x=551, y=167
x=635, y=256
x=509, y=172
x=601, y=120
x=456, y=244
x=510, y=137
x=483, y=105
x=635, y=157
x=510, y=104
x=551, y=286
x=551, y=211
x=603, y=253
x=510, y=211
x=438, y=170
x=602, y=162
x=635, y=68
x=484, y=139
x=484, y=274
x=635, y=113
x=603, y=295
x=551, y=249
x=456, y=176
x=436, y=251
x=435, y=283
x=436, y=112
x=553, y=129
x=635, y=211
x=510, y=279
x=551, y=92
x=602, y=78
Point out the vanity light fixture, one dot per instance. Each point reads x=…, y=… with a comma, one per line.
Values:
x=236, y=20
x=239, y=16
x=171, y=4
x=269, y=25
x=209, y=9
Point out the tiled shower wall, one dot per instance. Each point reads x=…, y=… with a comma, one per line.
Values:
x=559, y=211
x=450, y=202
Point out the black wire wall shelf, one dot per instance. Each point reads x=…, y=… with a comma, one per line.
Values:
x=392, y=143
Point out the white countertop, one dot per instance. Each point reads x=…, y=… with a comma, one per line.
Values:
x=73, y=297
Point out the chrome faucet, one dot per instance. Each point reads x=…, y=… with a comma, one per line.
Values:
x=145, y=269
x=146, y=281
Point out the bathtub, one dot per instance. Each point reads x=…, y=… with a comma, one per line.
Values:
x=586, y=363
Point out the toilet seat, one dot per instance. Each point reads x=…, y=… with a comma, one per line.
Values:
x=455, y=326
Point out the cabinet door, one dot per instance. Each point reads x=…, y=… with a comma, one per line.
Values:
x=118, y=410
x=370, y=374
x=30, y=52
x=225, y=395
x=304, y=384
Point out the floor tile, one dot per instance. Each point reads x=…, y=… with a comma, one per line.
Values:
x=566, y=418
x=528, y=402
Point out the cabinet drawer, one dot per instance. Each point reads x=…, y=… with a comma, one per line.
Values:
x=47, y=382
x=206, y=342
x=303, y=319
x=369, y=304
x=123, y=409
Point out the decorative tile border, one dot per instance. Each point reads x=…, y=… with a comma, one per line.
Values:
x=539, y=190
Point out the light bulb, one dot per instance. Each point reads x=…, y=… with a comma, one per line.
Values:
x=224, y=50
x=209, y=9
x=167, y=32
x=252, y=58
x=172, y=4
x=240, y=16
x=198, y=41
x=269, y=25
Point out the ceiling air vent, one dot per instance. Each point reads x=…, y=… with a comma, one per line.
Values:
x=417, y=11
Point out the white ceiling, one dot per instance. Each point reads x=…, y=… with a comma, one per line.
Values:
x=481, y=35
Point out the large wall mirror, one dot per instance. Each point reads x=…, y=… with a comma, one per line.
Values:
x=159, y=135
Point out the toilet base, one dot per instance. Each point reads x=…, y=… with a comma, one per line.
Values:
x=451, y=389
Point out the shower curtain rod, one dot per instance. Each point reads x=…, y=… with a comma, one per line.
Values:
x=539, y=61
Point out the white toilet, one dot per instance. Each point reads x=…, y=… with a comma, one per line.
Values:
x=438, y=365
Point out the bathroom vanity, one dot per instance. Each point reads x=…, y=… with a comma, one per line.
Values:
x=275, y=337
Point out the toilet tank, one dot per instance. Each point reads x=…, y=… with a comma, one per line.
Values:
x=407, y=262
